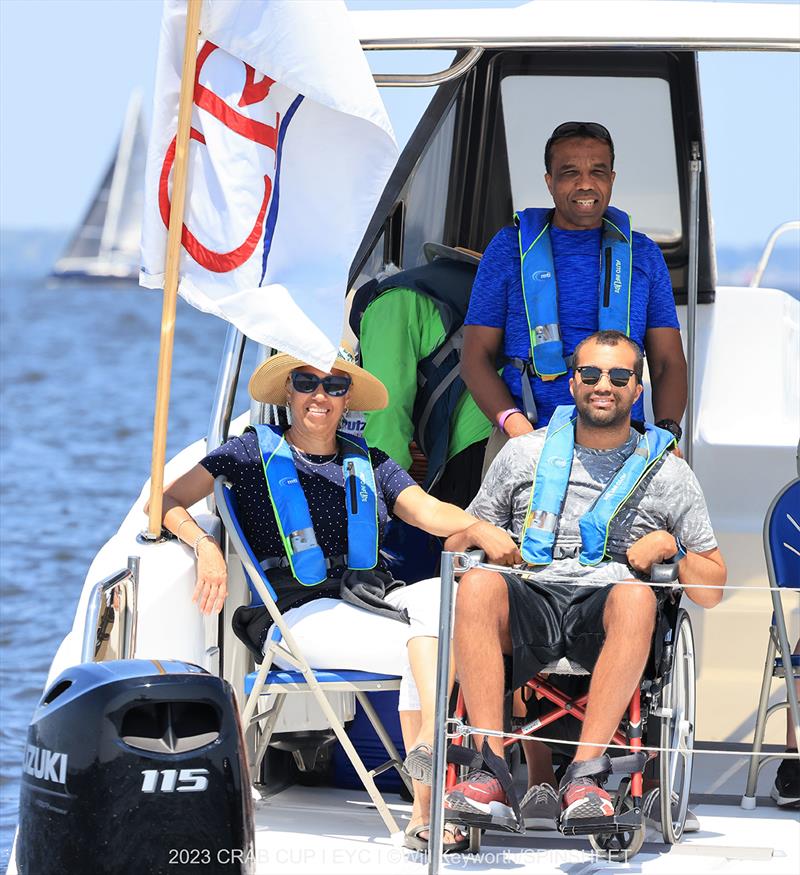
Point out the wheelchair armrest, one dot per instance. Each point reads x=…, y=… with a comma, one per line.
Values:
x=665, y=572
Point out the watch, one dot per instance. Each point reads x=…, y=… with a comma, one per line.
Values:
x=680, y=552
x=672, y=427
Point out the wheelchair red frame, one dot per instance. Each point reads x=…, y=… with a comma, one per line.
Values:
x=617, y=842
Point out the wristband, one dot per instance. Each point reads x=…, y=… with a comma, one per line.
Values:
x=681, y=550
x=503, y=416
x=197, y=541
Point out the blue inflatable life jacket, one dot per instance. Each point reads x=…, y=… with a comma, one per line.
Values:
x=540, y=289
x=552, y=480
x=293, y=518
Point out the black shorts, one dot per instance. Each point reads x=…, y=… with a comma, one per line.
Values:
x=550, y=621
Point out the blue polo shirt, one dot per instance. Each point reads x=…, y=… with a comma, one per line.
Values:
x=497, y=302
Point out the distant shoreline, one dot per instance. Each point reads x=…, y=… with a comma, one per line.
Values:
x=31, y=252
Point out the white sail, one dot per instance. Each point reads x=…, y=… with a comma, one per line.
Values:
x=106, y=243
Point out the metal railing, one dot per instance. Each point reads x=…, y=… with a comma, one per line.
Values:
x=461, y=65
x=695, y=169
x=794, y=225
x=224, y=394
x=227, y=376
x=683, y=43
x=110, y=629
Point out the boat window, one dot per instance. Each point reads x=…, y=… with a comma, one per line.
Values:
x=425, y=198
x=638, y=112
x=374, y=263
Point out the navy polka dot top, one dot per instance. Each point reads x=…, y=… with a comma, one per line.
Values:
x=239, y=459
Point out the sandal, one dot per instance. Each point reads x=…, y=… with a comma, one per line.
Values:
x=418, y=764
x=413, y=841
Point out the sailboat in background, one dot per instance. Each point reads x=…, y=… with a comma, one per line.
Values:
x=106, y=243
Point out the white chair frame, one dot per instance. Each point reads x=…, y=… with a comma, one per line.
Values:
x=288, y=649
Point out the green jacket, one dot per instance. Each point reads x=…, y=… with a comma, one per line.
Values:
x=398, y=329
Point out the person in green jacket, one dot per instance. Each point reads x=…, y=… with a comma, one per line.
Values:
x=410, y=335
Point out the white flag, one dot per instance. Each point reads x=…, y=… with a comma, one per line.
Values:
x=290, y=150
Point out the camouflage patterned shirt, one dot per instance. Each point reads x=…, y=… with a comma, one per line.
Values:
x=668, y=498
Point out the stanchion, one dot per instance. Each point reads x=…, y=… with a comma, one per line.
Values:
x=440, y=714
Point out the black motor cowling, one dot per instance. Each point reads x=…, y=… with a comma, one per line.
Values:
x=135, y=766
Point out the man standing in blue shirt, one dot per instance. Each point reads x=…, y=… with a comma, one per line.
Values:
x=553, y=279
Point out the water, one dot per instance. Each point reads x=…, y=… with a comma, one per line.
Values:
x=78, y=367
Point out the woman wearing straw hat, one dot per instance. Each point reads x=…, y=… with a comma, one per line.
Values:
x=355, y=616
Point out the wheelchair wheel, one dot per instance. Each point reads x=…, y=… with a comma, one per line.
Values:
x=677, y=732
x=619, y=847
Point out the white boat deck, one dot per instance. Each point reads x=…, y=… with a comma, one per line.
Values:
x=324, y=830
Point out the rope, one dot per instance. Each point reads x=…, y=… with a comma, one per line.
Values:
x=533, y=575
x=463, y=730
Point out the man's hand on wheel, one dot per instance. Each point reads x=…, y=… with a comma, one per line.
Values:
x=651, y=549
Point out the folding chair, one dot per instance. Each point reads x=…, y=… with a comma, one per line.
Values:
x=782, y=550
x=303, y=679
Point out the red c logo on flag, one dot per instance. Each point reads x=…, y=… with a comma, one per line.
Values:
x=218, y=262
x=258, y=132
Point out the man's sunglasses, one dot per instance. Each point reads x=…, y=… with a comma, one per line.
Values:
x=569, y=129
x=619, y=377
x=335, y=385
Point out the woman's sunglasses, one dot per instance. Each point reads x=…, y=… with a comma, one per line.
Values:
x=334, y=385
x=619, y=377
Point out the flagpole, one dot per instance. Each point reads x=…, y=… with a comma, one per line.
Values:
x=171, y=272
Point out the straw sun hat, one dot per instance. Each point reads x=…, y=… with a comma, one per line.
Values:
x=268, y=383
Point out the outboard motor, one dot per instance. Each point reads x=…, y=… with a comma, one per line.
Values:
x=135, y=766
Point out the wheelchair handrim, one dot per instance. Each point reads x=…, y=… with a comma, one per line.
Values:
x=677, y=732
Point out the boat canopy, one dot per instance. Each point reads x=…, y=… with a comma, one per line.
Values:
x=662, y=24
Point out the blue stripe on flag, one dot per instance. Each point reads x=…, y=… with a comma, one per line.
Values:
x=272, y=216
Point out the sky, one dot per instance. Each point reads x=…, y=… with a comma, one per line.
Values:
x=67, y=68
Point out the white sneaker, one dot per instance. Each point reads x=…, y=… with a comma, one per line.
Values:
x=540, y=807
x=651, y=809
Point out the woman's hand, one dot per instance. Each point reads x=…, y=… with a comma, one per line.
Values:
x=462, y=530
x=496, y=543
x=212, y=577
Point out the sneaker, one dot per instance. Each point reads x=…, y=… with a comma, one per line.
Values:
x=540, y=807
x=583, y=798
x=481, y=793
x=651, y=810
x=786, y=789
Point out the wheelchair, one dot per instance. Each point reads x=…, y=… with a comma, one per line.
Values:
x=661, y=714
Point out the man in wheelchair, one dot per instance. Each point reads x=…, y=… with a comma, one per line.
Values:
x=594, y=505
